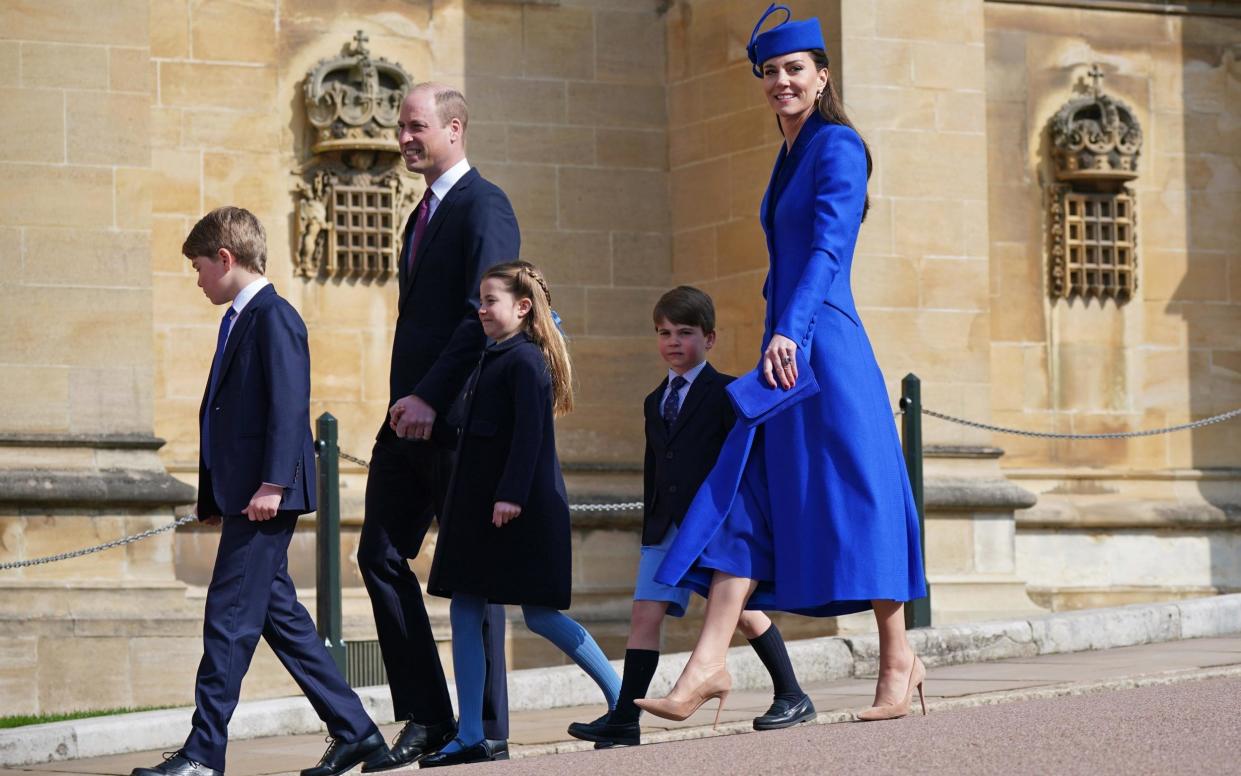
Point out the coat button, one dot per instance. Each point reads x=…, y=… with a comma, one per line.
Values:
x=672, y=488
x=668, y=455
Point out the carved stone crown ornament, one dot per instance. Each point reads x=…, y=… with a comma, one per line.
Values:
x=1095, y=137
x=351, y=195
x=1095, y=142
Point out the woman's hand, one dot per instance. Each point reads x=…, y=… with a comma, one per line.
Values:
x=503, y=512
x=780, y=362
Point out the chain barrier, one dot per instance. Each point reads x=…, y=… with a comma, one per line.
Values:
x=633, y=506
x=17, y=564
x=619, y=506
x=1115, y=435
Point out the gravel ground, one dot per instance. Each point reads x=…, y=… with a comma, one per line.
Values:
x=1190, y=728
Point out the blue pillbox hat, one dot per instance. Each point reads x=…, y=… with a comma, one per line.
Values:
x=785, y=38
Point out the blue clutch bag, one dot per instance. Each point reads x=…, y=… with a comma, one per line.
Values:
x=756, y=401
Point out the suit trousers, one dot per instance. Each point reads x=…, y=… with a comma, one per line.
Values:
x=405, y=487
x=251, y=594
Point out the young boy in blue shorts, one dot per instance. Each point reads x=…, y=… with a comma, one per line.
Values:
x=687, y=418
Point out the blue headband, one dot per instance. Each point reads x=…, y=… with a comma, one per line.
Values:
x=785, y=38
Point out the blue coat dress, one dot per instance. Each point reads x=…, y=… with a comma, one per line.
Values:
x=814, y=503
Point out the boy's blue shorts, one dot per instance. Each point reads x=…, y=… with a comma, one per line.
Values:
x=647, y=589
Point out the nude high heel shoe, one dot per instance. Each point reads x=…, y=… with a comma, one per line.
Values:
x=917, y=677
x=717, y=685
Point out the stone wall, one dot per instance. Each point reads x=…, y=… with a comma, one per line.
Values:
x=1171, y=354
x=74, y=228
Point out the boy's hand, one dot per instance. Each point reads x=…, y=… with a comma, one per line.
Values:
x=213, y=520
x=264, y=503
x=411, y=418
x=780, y=362
x=503, y=512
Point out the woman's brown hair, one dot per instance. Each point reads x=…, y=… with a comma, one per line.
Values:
x=832, y=109
x=524, y=281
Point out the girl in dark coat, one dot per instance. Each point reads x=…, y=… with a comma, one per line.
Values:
x=504, y=534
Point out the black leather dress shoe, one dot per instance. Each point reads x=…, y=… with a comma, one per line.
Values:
x=177, y=764
x=604, y=731
x=785, y=713
x=497, y=748
x=341, y=757
x=414, y=742
x=475, y=753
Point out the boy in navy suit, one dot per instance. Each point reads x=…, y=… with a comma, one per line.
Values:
x=256, y=475
x=687, y=418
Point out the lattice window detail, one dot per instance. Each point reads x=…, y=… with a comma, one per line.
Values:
x=364, y=233
x=1099, y=245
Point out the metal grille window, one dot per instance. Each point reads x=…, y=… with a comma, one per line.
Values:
x=1099, y=244
x=364, y=219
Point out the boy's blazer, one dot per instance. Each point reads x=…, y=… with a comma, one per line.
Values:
x=679, y=459
x=438, y=336
x=260, y=426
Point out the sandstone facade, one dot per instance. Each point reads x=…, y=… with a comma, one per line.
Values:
x=635, y=146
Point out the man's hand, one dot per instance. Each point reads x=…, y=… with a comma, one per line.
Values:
x=503, y=512
x=411, y=418
x=264, y=503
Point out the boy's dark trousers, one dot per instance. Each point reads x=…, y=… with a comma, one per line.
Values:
x=405, y=488
x=250, y=595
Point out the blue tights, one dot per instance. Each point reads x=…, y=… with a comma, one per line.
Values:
x=470, y=665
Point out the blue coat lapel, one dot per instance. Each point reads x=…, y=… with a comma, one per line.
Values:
x=786, y=164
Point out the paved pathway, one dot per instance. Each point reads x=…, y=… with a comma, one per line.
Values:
x=1182, y=717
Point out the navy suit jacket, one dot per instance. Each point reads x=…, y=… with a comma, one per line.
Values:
x=260, y=422
x=438, y=338
x=679, y=459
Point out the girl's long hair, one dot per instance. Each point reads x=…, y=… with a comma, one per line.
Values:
x=832, y=109
x=524, y=281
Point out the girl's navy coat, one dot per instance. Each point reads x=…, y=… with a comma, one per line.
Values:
x=507, y=452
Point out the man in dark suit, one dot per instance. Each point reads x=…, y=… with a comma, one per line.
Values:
x=256, y=475
x=463, y=226
x=687, y=418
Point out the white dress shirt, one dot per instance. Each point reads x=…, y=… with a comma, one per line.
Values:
x=444, y=184
x=243, y=298
x=690, y=375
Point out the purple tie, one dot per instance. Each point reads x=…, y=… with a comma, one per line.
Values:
x=421, y=215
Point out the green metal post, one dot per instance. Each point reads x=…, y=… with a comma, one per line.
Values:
x=327, y=538
x=917, y=612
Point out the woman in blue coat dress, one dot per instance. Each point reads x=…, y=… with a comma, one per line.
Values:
x=809, y=511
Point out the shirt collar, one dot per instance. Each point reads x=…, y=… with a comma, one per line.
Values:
x=445, y=182
x=248, y=293
x=689, y=376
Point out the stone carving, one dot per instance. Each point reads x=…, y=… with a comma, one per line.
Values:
x=1095, y=143
x=1096, y=137
x=353, y=101
x=351, y=197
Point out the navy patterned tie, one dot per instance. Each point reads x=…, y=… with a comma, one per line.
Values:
x=672, y=404
x=213, y=382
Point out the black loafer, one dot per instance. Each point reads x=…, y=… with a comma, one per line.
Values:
x=476, y=753
x=414, y=742
x=497, y=748
x=341, y=757
x=604, y=731
x=177, y=764
x=785, y=713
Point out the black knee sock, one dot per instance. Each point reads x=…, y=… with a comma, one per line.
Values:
x=640, y=665
x=770, y=649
